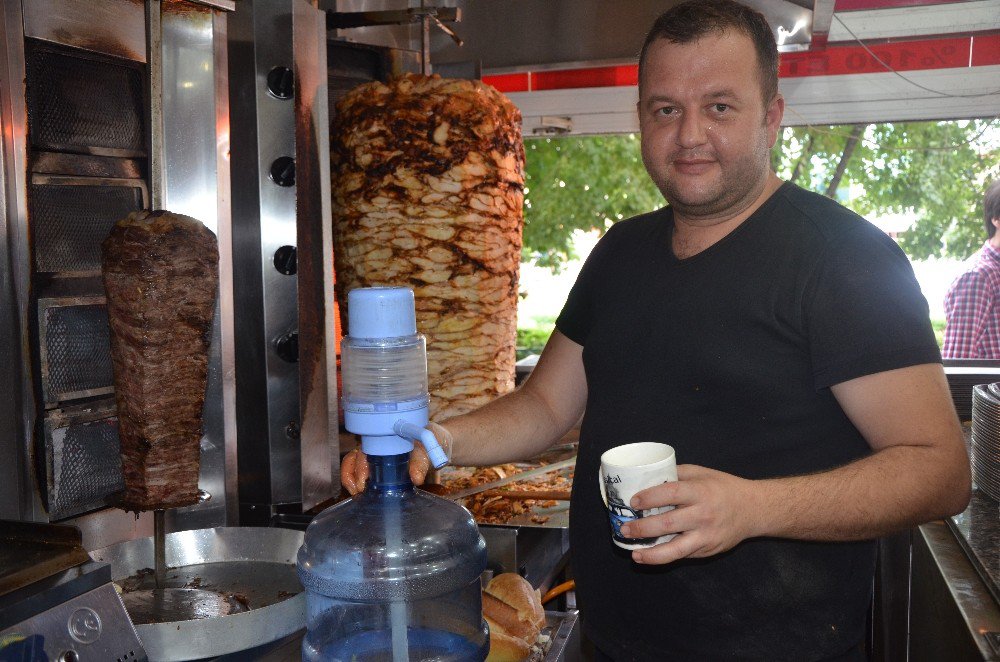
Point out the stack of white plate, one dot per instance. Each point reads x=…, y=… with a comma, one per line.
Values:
x=986, y=438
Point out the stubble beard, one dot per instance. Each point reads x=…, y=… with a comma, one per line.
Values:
x=737, y=186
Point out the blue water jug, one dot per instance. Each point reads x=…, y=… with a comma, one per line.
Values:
x=393, y=574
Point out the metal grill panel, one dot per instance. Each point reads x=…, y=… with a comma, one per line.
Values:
x=84, y=468
x=70, y=222
x=77, y=352
x=80, y=104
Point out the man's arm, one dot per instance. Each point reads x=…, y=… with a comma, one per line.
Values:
x=515, y=426
x=918, y=472
x=528, y=420
x=966, y=314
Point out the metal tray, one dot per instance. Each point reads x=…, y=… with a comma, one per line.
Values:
x=560, y=460
x=562, y=628
x=257, y=563
x=32, y=551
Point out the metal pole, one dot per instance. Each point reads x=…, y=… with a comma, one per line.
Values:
x=159, y=549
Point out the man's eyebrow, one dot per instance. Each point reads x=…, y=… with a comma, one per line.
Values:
x=657, y=98
x=722, y=94
x=718, y=94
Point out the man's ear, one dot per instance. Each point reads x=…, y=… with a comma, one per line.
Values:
x=772, y=118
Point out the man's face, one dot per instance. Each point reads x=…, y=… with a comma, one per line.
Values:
x=706, y=133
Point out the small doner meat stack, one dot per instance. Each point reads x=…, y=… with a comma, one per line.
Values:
x=428, y=186
x=161, y=273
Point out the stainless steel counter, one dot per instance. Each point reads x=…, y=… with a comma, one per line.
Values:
x=953, y=613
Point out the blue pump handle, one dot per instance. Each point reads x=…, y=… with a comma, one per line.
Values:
x=426, y=437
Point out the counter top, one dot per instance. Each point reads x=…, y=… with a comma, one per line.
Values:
x=978, y=531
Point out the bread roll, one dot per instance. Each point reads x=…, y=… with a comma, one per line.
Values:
x=514, y=612
x=504, y=647
x=514, y=590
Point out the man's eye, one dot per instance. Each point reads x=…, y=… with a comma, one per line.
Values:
x=721, y=107
x=665, y=110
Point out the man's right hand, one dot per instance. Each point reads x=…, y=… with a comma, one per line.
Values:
x=354, y=469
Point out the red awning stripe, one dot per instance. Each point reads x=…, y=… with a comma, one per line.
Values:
x=519, y=82
x=985, y=50
x=925, y=54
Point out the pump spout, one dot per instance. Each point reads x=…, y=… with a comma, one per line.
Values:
x=434, y=451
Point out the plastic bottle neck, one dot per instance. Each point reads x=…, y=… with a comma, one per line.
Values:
x=390, y=473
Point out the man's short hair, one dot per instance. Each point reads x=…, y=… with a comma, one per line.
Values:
x=694, y=19
x=991, y=207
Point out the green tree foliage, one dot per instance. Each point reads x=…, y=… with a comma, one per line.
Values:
x=932, y=171
x=580, y=183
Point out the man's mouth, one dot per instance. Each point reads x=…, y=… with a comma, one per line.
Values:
x=691, y=166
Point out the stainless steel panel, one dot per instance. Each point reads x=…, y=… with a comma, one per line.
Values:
x=951, y=610
x=106, y=633
x=191, y=186
x=14, y=242
x=511, y=35
x=10, y=381
x=112, y=27
x=267, y=212
x=189, y=126
x=108, y=527
x=276, y=139
x=226, y=312
x=319, y=442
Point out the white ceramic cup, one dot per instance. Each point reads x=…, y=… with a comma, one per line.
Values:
x=626, y=470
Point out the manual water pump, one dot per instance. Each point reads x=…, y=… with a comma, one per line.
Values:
x=392, y=574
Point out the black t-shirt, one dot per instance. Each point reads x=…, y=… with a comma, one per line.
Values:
x=728, y=356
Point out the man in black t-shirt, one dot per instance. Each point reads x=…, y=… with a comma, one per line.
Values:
x=779, y=342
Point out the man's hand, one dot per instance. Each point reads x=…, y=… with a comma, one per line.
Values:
x=354, y=469
x=714, y=511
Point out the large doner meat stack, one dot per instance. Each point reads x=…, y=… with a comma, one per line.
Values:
x=161, y=274
x=428, y=178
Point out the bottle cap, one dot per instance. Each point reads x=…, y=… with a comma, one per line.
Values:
x=381, y=312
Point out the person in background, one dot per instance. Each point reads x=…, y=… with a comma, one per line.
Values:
x=972, y=304
x=780, y=344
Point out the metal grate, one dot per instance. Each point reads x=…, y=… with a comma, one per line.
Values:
x=76, y=359
x=70, y=222
x=80, y=104
x=84, y=467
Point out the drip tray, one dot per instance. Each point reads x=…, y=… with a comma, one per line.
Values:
x=207, y=590
x=226, y=590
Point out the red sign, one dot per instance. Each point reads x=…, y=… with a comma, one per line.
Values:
x=899, y=56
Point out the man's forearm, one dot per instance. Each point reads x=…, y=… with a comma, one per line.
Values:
x=892, y=489
x=514, y=427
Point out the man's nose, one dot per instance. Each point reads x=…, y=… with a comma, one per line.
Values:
x=692, y=130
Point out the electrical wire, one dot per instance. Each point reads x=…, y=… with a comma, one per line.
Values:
x=946, y=95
